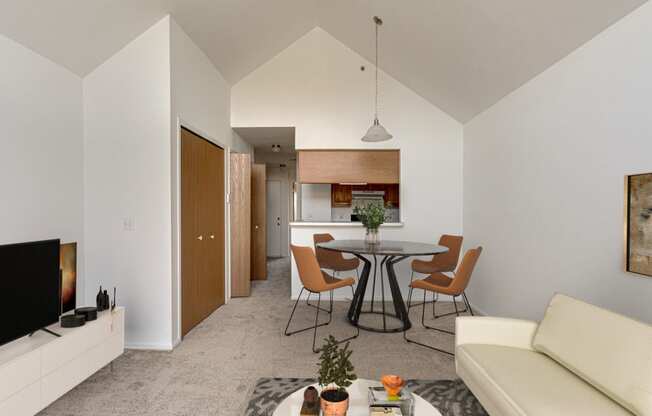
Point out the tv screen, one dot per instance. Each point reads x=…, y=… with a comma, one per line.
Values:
x=30, y=296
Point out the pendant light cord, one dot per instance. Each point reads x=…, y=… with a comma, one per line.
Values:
x=376, y=113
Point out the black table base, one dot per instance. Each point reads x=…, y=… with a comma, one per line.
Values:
x=399, y=314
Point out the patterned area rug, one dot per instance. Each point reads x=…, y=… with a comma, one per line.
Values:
x=451, y=397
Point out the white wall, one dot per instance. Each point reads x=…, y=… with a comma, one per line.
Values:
x=40, y=151
x=316, y=85
x=127, y=165
x=201, y=101
x=544, y=172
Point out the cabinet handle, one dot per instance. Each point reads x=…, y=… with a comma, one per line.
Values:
x=255, y=227
x=201, y=237
x=212, y=237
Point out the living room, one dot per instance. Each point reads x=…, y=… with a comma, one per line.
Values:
x=516, y=135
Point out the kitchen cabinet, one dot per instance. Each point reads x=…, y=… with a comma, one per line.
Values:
x=341, y=195
x=392, y=195
x=348, y=166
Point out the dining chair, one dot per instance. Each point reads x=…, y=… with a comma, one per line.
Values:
x=441, y=283
x=332, y=260
x=440, y=263
x=316, y=281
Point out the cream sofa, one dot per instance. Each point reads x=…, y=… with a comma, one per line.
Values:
x=580, y=360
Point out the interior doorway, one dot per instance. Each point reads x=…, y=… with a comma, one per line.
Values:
x=202, y=229
x=274, y=150
x=274, y=208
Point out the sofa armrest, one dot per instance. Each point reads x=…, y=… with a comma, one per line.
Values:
x=494, y=331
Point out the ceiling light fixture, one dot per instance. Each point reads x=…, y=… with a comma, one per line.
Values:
x=376, y=132
x=276, y=148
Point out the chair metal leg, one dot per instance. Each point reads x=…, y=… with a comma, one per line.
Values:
x=468, y=304
x=457, y=312
x=317, y=324
x=314, y=306
x=423, y=315
x=307, y=328
x=314, y=335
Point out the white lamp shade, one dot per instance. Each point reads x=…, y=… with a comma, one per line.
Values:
x=376, y=133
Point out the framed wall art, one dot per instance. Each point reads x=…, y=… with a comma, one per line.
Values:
x=638, y=227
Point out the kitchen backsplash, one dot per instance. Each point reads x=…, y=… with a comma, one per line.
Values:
x=343, y=214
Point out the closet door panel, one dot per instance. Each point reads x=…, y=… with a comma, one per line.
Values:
x=191, y=243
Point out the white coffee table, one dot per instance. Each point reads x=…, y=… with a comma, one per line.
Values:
x=358, y=401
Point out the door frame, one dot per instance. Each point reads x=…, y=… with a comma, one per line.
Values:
x=176, y=222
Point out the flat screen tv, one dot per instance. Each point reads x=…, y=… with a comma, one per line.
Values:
x=30, y=296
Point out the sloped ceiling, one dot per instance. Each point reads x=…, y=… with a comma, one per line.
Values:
x=461, y=55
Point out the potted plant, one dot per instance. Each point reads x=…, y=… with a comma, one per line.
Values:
x=372, y=216
x=335, y=375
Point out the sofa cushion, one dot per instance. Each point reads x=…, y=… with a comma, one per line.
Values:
x=610, y=351
x=516, y=382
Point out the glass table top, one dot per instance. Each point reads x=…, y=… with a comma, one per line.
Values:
x=384, y=248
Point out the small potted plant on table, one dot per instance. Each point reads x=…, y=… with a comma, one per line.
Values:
x=335, y=375
x=372, y=217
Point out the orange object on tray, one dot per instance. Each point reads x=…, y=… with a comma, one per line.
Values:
x=393, y=385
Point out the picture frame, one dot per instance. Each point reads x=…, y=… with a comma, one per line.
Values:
x=638, y=224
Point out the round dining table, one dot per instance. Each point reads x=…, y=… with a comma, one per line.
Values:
x=391, y=252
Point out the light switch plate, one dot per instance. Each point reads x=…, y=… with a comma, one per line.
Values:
x=128, y=224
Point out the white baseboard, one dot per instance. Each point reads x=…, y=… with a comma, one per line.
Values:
x=148, y=346
x=477, y=311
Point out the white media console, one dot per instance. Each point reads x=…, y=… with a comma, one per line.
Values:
x=37, y=370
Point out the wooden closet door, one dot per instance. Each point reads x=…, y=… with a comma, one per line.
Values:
x=202, y=229
x=191, y=238
x=240, y=224
x=214, y=220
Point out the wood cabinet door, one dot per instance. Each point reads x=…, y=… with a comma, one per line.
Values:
x=341, y=195
x=258, y=222
x=240, y=224
x=392, y=195
x=348, y=166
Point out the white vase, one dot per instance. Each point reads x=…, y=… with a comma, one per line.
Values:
x=372, y=236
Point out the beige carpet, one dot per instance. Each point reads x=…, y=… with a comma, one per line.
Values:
x=214, y=369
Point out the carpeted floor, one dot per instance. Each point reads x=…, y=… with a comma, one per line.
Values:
x=214, y=370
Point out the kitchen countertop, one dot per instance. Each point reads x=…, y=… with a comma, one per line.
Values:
x=340, y=224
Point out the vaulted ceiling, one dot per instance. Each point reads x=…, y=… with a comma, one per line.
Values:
x=461, y=55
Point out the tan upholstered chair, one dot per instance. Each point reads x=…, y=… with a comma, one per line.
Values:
x=315, y=280
x=333, y=260
x=440, y=283
x=440, y=263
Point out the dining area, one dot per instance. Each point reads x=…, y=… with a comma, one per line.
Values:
x=385, y=280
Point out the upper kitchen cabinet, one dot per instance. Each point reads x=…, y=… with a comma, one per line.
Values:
x=341, y=195
x=349, y=166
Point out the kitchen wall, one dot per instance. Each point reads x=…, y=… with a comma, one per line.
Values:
x=317, y=86
x=544, y=170
x=42, y=162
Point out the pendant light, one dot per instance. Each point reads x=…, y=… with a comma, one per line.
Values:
x=376, y=132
